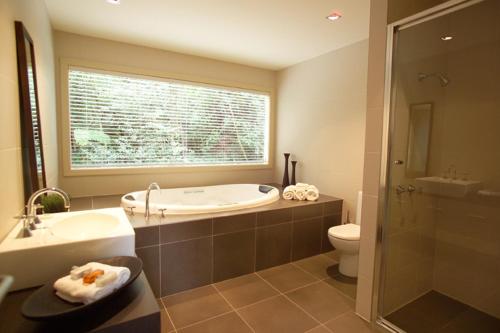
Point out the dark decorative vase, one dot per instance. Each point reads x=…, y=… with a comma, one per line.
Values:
x=286, y=180
x=294, y=164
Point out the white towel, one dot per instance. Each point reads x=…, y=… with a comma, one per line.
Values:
x=74, y=291
x=300, y=193
x=289, y=192
x=312, y=193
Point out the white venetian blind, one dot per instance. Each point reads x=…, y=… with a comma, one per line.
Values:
x=119, y=120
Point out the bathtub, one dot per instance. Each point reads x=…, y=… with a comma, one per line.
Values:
x=199, y=200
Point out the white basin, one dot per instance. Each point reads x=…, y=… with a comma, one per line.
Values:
x=65, y=239
x=454, y=188
x=85, y=226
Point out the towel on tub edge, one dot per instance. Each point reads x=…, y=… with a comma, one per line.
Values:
x=301, y=191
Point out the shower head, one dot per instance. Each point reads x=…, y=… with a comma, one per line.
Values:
x=443, y=79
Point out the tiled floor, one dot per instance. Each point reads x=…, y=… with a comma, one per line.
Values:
x=435, y=312
x=308, y=295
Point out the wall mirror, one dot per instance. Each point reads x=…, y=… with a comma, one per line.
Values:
x=419, y=135
x=31, y=132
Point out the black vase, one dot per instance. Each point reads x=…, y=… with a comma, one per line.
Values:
x=294, y=164
x=286, y=180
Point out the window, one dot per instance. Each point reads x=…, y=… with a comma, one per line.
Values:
x=128, y=121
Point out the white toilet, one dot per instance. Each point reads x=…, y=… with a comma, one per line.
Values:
x=345, y=238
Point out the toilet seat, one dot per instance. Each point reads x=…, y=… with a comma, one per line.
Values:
x=347, y=231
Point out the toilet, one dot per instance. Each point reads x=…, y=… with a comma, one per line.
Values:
x=345, y=239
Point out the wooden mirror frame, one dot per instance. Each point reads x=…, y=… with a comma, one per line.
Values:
x=28, y=149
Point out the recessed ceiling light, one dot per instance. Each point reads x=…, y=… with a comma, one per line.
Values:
x=113, y=2
x=447, y=38
x=334, y=16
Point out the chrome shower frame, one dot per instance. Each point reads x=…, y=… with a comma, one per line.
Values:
x=387, y=135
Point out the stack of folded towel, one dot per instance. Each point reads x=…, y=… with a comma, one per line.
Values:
x=90, y=282
x=301, y=191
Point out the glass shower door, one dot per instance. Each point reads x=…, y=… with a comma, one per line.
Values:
x=441, y=229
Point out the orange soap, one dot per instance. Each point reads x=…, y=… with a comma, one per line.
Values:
x=90, y=278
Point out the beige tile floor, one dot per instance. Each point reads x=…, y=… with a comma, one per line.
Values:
x=308, y=295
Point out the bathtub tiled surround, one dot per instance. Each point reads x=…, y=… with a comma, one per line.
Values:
x=184, y=252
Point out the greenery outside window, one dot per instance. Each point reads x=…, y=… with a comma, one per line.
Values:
x=121, y=120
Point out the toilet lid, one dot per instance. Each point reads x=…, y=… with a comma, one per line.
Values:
x=348, y=231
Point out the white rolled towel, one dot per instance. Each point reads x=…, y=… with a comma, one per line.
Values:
x=312, y=193
x=300, y=193
x=75, y=291
x=289, y=192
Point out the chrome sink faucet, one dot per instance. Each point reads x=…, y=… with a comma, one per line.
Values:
x=30, y=219
x=148, y=191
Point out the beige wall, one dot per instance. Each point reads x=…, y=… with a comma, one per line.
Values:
x=35, y=18
x=109, y=52
x=321, y=121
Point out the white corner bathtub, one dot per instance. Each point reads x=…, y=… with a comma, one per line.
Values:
x=199, y=200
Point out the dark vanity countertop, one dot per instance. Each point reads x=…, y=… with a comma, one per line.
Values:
x=133, y=310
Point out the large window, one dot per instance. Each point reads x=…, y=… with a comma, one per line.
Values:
x=128, y=121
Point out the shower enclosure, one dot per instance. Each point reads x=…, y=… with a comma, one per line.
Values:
x=440, y=221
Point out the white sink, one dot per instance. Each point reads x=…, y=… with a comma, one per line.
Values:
x=85, y=226
x=454, y=188
x=64, y=240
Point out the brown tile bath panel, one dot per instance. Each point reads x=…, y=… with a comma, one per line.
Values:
x=328, y=222
x=234, y=223
x=150, y=257
x=227, y=323
x=234, y=254
x=245, y=290
x=273, y=245
x=192, y=306
x=277, y=315
x=306, y=238
x=147, y=236
x=275, y=216
x=307, y=211
x=321, y=301
x=287, y=277
x=186, y=265
x=332, y=208
x=174, y=232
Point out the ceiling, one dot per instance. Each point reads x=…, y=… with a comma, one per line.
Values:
x=271, y=34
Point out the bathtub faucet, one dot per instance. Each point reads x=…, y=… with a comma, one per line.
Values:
x=150, y=187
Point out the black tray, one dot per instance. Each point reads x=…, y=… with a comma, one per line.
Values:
x=44, y=304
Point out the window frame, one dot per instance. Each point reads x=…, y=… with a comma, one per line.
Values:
x=67, y=63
